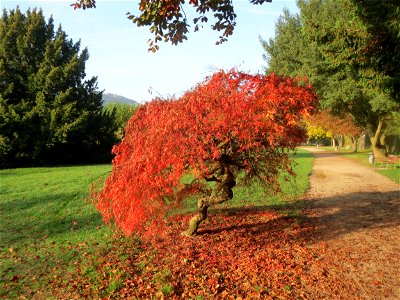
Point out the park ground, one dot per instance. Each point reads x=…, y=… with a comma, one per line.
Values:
x=356, y=212
x=343, y=244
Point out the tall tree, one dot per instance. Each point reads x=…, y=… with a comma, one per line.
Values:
x=231, y=125
x=286, y=51
x=343, y=66
x=48, y=112
x=381, y=20
x=168, y=21
x=290, y=53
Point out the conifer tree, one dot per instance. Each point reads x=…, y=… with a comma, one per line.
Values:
x=48, y=112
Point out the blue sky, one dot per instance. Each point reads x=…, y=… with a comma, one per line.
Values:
x=118, y=49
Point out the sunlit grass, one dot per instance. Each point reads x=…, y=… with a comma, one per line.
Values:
x=45, y=223
x=48, y=203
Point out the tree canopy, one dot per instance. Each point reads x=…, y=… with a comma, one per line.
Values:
x=168, y=22
x=338, y=47
x=325, y=124
x=48, y=112
x=232, y=123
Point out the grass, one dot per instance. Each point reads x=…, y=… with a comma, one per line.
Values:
x=393, y=173
x=286, y=202
x=45, y=224
x=53, y=242
x=47, y=203
x=255, y=196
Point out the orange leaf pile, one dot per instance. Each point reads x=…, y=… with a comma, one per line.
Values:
x=263, y=256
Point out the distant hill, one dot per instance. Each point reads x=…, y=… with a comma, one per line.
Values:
x=107, y=98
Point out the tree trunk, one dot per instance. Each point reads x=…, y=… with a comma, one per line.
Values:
x=222, y=194
x=197, y=219
x=354, y=141
x=341, y=141
x=378, y=148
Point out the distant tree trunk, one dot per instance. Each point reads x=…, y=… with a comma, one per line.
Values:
x=341, y=141
x=378, y=148
x=354, y=141
x=222, y=194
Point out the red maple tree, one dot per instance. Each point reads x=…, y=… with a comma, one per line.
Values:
x=232, y=123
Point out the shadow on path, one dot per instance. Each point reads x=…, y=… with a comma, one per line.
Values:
x=342, y=214
x=334, y=216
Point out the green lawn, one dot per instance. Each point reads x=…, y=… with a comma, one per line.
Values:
x=53, y=242
x=45, y=224
x=288, y=201
x=255, y=197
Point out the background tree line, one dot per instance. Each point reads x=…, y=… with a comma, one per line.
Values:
x=324, y=125
x=350, y=51
x=49, y=113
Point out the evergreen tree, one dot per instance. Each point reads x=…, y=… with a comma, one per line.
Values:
x=48, y=112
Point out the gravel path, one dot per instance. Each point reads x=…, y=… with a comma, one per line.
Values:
x=356, y=212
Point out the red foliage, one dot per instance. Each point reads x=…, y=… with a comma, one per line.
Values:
x=249, y=120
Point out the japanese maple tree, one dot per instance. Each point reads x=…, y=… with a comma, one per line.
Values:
x=231, y=124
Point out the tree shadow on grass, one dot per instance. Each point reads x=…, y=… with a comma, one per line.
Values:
x=30, y=202
x=39, y=229
x=301, y=155
x=261, y=222
x=285, y=208
x=48, y=216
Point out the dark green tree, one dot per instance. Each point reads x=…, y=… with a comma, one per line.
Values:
x=336, y=49
x=382, y=22
x=48, y=112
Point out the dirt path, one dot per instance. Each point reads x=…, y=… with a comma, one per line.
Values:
x=356, y=212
